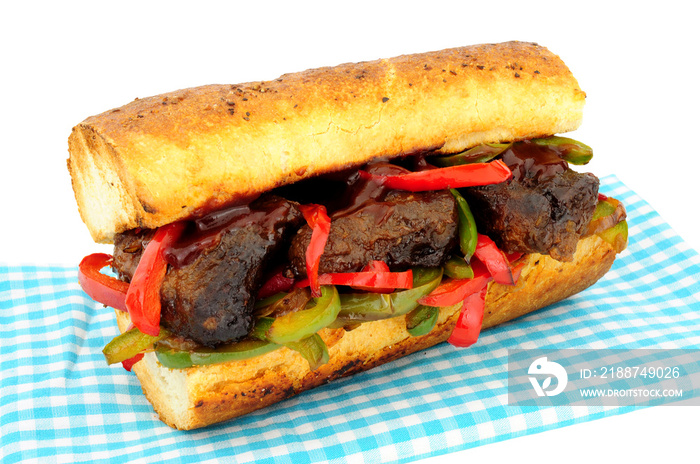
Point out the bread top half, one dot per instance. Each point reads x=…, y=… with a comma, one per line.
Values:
x=181, y=154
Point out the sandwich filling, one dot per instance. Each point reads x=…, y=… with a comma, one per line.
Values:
x=225, y=266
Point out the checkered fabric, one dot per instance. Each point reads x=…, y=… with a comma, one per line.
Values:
x=60, y=402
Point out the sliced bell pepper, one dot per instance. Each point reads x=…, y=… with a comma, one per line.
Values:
x=467, y=226
x=468, y=327
x=100, y=287
x=452, y=292
x=372, y=306
x=320, y=224
x=479, y=154
x=616, y=236
x=605, y=207
x=570, y=150
x=467, y=175
x=425, y=280
x=143, y=296
x=457, y=268
x=312, y=348
x=516, y=255
x=259, y=304
x=517, y=270
x=608, y=213
x=277, y=283
x=362, y=307
x=245, y=349
x=129, y=344
x=381, y=282
x=294, y=301
x=129, y=363
x=494, y=259
x=421, y=320
x=296, y=326
x=261, y=326
x=376, y=266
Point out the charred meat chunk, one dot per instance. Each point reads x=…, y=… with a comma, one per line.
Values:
x=547, y=216
x=128, y=248
x=403, y=229
x=215, y=269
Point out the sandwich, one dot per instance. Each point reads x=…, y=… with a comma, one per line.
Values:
x=272, y=236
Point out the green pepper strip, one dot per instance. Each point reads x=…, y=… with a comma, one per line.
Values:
x=245, y=349
x=311, y=348
x=130, y=343
x=421, y=320
x=467, y=226
x=262, y=325
x=457, y=268
x=603, y=208
x=362, y=307
x=616, y=236
x=479, y=154
x=296, y=326
x=269, y=300
x=568, y=149
x=366, y=306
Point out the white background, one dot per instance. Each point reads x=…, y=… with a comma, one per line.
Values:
x=638, y=62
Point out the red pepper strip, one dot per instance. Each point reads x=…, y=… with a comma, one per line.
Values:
x=466, y=175
x=495, y=260
x=517, y=270
x=275, y=284
x=514, y=256
x=143, y=297
x=320, y=224
x=453, y=291
x=376, y=266
x=101, y=288
x=129, y=363
x=602, y=197
x=468, y=327
x=375, y=280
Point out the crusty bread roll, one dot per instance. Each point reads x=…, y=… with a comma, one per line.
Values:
x=200, y=396
x=179, y=155
x=168, y=157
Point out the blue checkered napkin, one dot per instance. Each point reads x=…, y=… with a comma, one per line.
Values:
x=60, y=402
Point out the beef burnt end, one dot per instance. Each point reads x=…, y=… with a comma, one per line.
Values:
x=209, y=295
x=546, y=217
x=403, y=229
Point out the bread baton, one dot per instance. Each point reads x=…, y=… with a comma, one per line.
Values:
x=272, y=236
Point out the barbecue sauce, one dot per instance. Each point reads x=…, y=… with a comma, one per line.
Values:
x=531, y=162
x=352, y=194
x=359, y=192
x=205, y=233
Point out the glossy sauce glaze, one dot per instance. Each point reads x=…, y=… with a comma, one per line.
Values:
x=205, y=232
x=360, y=192
x=343, y=193
x=530, y=162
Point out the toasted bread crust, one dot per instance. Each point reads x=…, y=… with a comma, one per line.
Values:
x=204, y=395
x=172, y=156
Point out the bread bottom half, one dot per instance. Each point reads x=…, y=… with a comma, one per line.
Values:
x=203, y=395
